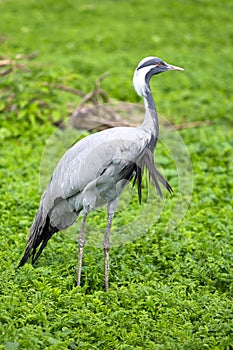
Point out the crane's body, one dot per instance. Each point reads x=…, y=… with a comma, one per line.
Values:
x=95, y=171
x=88, y=163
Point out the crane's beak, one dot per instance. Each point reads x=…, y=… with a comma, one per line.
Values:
x=170, y=67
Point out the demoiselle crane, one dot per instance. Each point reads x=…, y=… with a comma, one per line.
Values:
x=95, y=171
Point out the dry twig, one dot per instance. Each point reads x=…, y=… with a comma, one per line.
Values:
x=12, y=64
x=190, y=125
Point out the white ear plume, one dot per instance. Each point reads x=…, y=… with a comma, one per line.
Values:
x=139, y=80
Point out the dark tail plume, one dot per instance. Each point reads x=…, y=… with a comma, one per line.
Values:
x=138, y=178
x=155, y=174
x=39, y=234
x=148, y=161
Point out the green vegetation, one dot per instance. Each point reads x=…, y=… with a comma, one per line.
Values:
x=169, y=289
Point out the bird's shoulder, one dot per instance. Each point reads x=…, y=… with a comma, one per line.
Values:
x=104, y=143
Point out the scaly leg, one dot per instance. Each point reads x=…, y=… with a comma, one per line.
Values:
x=106, y=244
x=81, y=243
x=106, y=249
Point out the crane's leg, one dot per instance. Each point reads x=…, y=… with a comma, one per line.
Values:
x=111, y=210
x=81, y=243
x=106, y=249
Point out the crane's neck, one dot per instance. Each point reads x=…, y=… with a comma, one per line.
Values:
x=141, y=81
x=150, y=123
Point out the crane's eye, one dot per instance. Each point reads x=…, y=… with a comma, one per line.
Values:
x=159, y=64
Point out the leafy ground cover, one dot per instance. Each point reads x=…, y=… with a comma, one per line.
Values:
x=168, y=289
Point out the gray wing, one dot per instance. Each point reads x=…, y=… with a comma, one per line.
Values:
x=87, y=161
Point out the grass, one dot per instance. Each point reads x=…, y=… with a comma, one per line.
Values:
x=169, y=289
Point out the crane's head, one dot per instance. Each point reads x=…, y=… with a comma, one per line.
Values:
x=146, y=68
